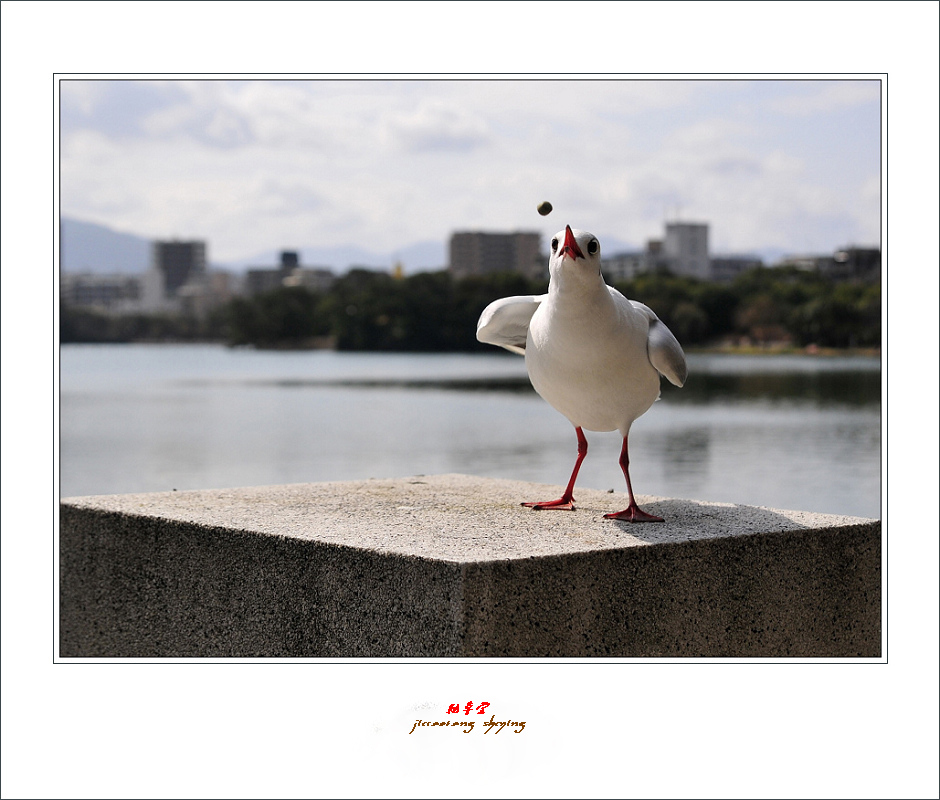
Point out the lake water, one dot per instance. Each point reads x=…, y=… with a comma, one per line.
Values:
x=792, y=432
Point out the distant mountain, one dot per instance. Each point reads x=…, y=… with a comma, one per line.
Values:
x=611, y=245
x=418, y=257
x=423, y=256
x=87, y=247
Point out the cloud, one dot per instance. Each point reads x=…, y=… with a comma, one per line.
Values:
x=437, y=126
x=806, y=98
x=115, y=108
x=204, y=114
x=736, y=167
x=255, y=165
x=287, y=197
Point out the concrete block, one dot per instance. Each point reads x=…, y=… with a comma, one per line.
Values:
x=453, y=566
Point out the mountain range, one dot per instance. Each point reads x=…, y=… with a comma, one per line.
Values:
x=89, y=247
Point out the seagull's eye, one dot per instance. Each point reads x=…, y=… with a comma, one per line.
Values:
x=593, y=247
x=554, y=244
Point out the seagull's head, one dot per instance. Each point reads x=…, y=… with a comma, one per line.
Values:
x=576, y=256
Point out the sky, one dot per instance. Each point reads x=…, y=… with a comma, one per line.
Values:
x=253, y=166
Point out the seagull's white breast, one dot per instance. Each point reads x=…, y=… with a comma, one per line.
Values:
x=588, y=358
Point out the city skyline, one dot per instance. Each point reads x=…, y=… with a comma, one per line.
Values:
x=257, y=166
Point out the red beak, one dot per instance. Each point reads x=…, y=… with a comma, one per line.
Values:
x=570, y=246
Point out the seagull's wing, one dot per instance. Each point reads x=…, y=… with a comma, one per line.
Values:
x=506, y=322
x=664, y=350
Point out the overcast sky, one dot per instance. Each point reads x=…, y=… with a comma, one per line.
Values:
x=254, y=166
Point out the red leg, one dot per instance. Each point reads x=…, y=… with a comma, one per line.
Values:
x=632, y=513
x=566, y=501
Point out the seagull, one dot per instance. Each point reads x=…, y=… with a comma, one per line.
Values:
x=591, y=353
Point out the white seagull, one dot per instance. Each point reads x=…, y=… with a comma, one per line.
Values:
x=594, y=355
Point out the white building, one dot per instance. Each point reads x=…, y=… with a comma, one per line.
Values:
x=686, y=249
x=316, y=279
x=625, y=266
x=111, y=293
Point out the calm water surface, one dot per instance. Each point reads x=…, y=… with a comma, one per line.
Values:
x=781, y=431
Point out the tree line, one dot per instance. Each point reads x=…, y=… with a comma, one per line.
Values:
x=432, y=311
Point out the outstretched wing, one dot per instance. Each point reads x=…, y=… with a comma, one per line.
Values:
x=664, y=350
x=506, y=322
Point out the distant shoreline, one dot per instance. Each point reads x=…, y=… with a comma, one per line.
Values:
x=783, y=350
x=717, y=349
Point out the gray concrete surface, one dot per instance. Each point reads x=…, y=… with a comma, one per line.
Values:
x=453, y=566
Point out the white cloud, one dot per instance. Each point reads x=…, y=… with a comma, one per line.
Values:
x=821, y=97
x=255, y=165
x=205, y=114
x=83, y=96
x=436, y=125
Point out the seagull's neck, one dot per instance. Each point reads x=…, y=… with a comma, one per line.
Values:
x=580, y=291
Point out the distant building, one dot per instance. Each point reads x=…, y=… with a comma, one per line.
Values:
x=289, y=273
x=683, y=251
x=264, y=279
x=725, y=269
x=178, y=263
x=624, y=266
x=178, y=281
x=199, y=296
x=848, y=264
x=108, y=293
x=480, y=253
x=258, y=281
x=316, y=279
x=807, y=263
x=176, y=276
x=685, y=248
x=856, y=264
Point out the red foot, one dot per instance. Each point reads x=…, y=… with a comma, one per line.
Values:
x=633, y=513
x=560, y=504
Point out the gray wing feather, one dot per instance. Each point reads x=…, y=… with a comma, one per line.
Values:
x=664, y=350
x=506, y=322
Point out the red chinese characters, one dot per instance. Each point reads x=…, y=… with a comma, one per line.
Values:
x=454, y=708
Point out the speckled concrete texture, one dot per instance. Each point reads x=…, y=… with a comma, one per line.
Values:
x=453, y=566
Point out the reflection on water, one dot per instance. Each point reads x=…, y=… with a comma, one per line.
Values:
x=818, y=388
x=787, y=432
x=685, y=453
